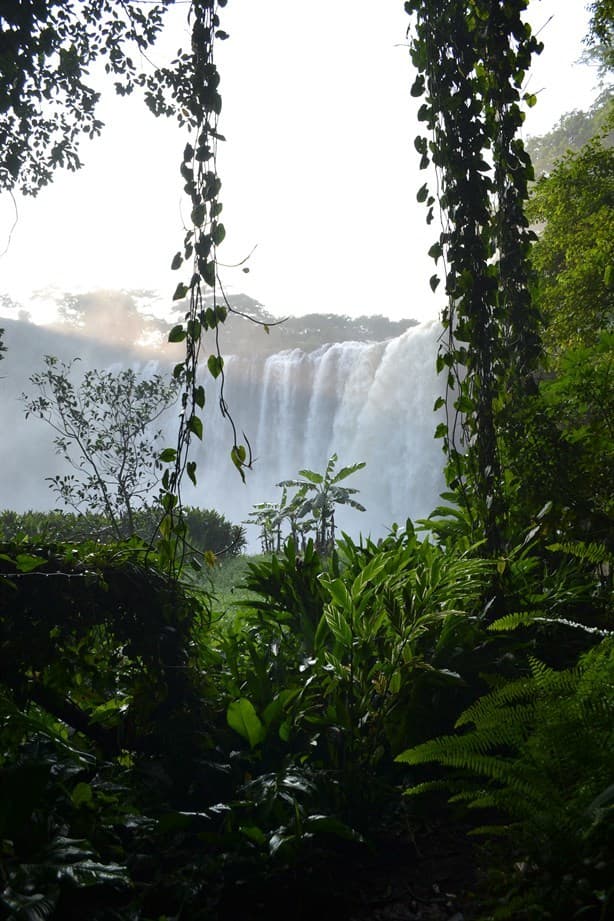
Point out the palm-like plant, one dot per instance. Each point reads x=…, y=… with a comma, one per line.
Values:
x=265, y=515
x=318, y=494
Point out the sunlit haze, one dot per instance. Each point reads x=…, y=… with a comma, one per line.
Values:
x=319, y=171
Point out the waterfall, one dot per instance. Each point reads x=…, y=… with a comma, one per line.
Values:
x=364, y=401
x=369, y=402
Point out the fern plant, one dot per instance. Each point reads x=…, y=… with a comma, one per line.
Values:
x=539, y=752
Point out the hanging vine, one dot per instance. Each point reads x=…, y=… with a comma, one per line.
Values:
x=471, y=58
x=193, y=83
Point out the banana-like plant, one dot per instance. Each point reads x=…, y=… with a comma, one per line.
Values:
x=319, y=493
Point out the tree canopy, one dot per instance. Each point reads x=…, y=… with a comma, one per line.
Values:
x=572, y=132
x=103, y=425
x=574, y=255
x=47, y=97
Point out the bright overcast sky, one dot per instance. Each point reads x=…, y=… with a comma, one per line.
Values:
x=319, y=170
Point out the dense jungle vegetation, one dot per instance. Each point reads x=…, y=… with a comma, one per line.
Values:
x=332, y=736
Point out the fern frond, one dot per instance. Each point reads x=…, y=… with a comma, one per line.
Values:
x=490, y=830
x=429, y=786
x=488, y=707
x=539, y=751
x=526, y=618
x=552, y=683
x=591, y=553
x=467, y=796
x=478, y=799
x=513, y=621
x=469, y=744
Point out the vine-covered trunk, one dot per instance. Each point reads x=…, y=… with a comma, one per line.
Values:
x=471, y=59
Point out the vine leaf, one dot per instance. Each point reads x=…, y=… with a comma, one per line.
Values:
x=215, y=363
x=177, y=334
x=180, y=292
x=195, y=425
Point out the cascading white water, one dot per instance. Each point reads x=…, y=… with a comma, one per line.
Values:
x=369, y=402
x=363, y=401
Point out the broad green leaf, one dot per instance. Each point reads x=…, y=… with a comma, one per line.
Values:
x=339, y=626
x=310, y=475
x=193, y=329
x=26, y=563
x=92, y=873
x=254, y=833
x=417, y=88
x=346, y=472
x=242, y=717
x=239, y=454
x=338, y=591
x=82, y=795
x=329, y=825
x=436, y=251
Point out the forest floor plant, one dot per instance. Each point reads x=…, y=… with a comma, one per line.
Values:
x=157, y=755
x=536, y=754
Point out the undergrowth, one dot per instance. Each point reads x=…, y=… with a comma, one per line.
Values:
x=159, y=747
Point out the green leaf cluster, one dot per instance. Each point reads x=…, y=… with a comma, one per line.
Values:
x=310, y=510
x=539, y=752
x=470, y=61
x=575, y=207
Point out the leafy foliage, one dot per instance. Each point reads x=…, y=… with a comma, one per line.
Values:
x=103, y=425
x=156, y=755
x=558, y=439
x=345, y=657
x=600, y=36
x=470, y=63
x=571, y=133
x=575, y=252
x=206, y=529
x=566, y=454
x=194, y=86
x=539, y=752
x=46, y=98
x=95, y=663
x=171, y=753
x=309, y=511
